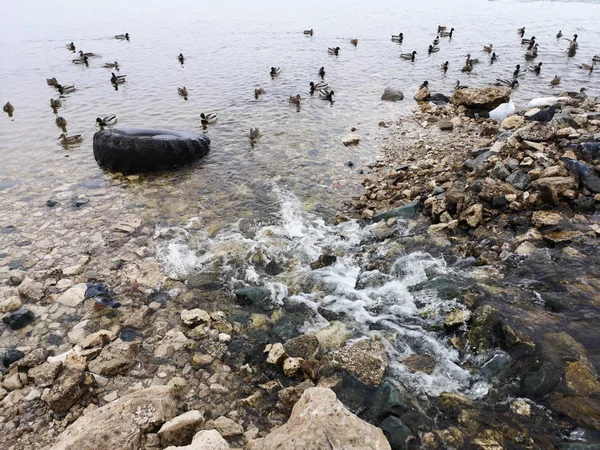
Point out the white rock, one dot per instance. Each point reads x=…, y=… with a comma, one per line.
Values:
x=194, y=317
x=276, y=354
x=227, y=427
x=205, y=440
x=73, y=296
x=180, y=429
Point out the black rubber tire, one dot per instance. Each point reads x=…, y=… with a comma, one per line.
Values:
x=132, y=150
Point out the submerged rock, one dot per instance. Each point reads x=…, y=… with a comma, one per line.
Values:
x=18, y=319
x=408, y=211
x=11, y=355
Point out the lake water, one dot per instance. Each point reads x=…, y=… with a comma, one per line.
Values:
x=296, y=174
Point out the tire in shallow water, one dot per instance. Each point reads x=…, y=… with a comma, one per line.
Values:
x=131, y=150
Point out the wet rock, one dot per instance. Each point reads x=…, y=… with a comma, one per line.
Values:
x=32, y=359
x=408, y=211
x=31, y=290
x=114, y=359
x=305, y=346
x=205, y=440
x=98, y=339
x=536, y=132
x=446, y=125
x=482, y=98
x=398, y=435
x=67, y=389
x=289, y=396
x=366, y=359
x=519, y=180
x=548, y=194
x=51, y=203
x=559, y=184
x=525, y=249
x=324, y=260
x=257, y=296
x=120, y=424
x=542, y=219
x=581, y=380
x=591, y=183
x=11, y=355
x=73, y=296
x=499, y=202
x=473, y=215
x=513, y=122
x=181, y=429
x=317, y=421
x=392, y=95
x=582, y=410
x=276, y=354
x=457, y=317
x=14, y=382
x=351, y=139
x=78, y=202
x=587, y=204
x=208, y=281
x=194, y=317
x=482, y=333
x=541, y=380
x=420, y=363
x=18, y=319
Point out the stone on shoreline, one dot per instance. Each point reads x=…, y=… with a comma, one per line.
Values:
x=536, y=132
x=513, y=122
x=114, y=359
x=205, y=440
x=408, y=211
x=366, y=359
x=422, y=95
x=73, y=296
x=481, y=98
x=31, y=290
x=446, y=125
x=18, y=319
x=351, y=139
x=181, y=429
x=392, y=95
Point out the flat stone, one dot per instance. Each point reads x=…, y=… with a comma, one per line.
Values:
x=31, y=290
x=525, y=249
x=10, y=304
x=227, y=427
x=408, y=211
x=546, y=218
x=195, y=317
x=205, y=440
x=73, y=296
x=114, y=359
x=98, y=339
x=181, y=429
x=446, y=125
x=366, y=359
x=513, y=122
x=352, y=139
x=67, y=389
x=481, y=98
x=536, y=132
x=420, y=363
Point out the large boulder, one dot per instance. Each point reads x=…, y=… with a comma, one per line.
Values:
x=481, y=98
x=318, y=421
x=120, y=424
x=392, y=95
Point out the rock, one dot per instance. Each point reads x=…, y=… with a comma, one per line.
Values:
x=481, y=98
x=559, y=184
x=324, y=260
x=591, y=183
x=541, y=380
x=446, y=125
x=320, y=421
x=18, y=319
x=422, y=95
x=456, y=121
x=581, y=380
x=333, y=336
x=519, y=180
x=73, y=296
x=31, y=290
x=351, y=139
x=305, y=346
x=11, y=355
x=457, y=317
x=114, y=359
x=181, y=429
x=67, y=389
x=291, y=366
x=289, y=396
x=584, y=204
x=276, y=354
x=408, y=211
x=207, y=281
x=98, y=339
x=536, y=132
x=45, y=374
x=227, y=427
x=546, y=219
x=548, y=193
x=513, y=122
x=582, y=410
x=500, y=171
x=256, y=296
x=10, y=304
x=205, y=440
x=398, y=435
x=420, y=363
x=195, y=317
x=32, y=359
x=473, y=215
x=392, y=95
x=366, y=359
x=525, y=249
x=120, y=424
x=16, y=277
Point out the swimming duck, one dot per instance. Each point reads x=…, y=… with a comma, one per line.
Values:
x=471, y=61
x=436, y=41
x=458, y=86
x=399, y=38
x=295, y=99
x=114, y=65
x=55, y=104
x=83, y=60
x=51, y=81
x=537, y=68
x=504, y=82
x=117, y=79
x=71, y=46
x=70, y=139
x=308, y=32
x=106, y=121
x=318, y=87
x=333, y=51
x=555, y=81
x=182, y=91
x=89, y=55
x=445, y=67
x=596, y=58
x=517, y=71
x=275, y=71
x=468, y=67
x=493, y=57
x=521, y=31
x=122, y=37
x=322, y=72
x=574, y=40
x=528, y=41
x=424, y=84
x=208, y=118
x=488, y=48
x=326, y=95
x=181, y=58
x=531, y=52
x=589, y=67
x=8, y=108
x=61, y=122
x=258, y=92
x=410, y=56
x=254, y=134
x=65, y=89
x=354, y=42
x=572, y=49
x=440, y=29
x=559, y=34
x=447, y=33
x=432, y=49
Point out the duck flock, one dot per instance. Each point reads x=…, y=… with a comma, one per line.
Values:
x=531, y=46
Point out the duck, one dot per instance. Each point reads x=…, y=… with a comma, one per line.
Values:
x=517, y=71
x=254, y=134
x=70, y=139
x=275, y=71
x=122, y=37
x=424, y=84
x=572, y=49
x=258, y=92
x=528, y=41
x=208, y=118
x=468, y=67
x=65, y=89
x=440, y=29
x=318, y=87
x=308, y=32
x=326, y=95
x=488, y=48
x=333, y=51
x=521, y=31
x=589, y=67
x=458, y=86
x=559, y=34
x=537, y=68
x=596, y=58
x=181, y=58
x=574, y=40
x=470, y=60
x=445, y=67
x=106, y=121
x=61, y=122
x=182, y=91
x=555, y=81
x=89, y=54
x=117, y=79
x=531, y=52
x=447, y=33
x=504, y=82
x=432, y=49
x=51, y=81
x=322, y=72
x=493, y=57
x=295, y=99
x=114, y=65
x=354, y=42
x=410, y=56
x=71, y=46
x=436, y=41
x=55, y=103
x=398, y=38
x=8, y=108
x=83, y=60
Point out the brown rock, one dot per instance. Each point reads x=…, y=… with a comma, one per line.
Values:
x=181, y=429
x=548, y=193
x=420, y=363
x=582, y=410
x=581, y=380
x=45, y=374
x=446, y=125
x=367, y=359
x=422, y=95
x=484, y=98
x=114, y=359
x=560, y=184
x=473, y=215
x=513, y=122
x=546, y=218
x=68, y=388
